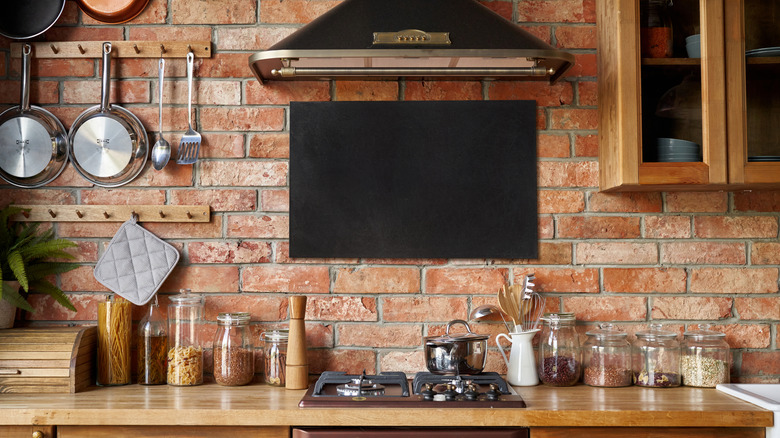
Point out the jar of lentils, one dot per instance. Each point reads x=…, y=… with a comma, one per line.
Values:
x=656, y=359
x=706, y=357
x=234, y=355
x=606, y=357
x=559, y=350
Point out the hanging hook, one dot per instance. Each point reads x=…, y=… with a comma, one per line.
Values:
x=162, y=215
x=189, y=215
x=134, y=215
x=52, y=214
x=162, y=50
x=26, y=214
x=106, y=215
x=54, y=49
x=137, y=50
x=79, y=214
x=82, y=49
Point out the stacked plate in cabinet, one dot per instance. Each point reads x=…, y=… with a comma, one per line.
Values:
x=677, y=150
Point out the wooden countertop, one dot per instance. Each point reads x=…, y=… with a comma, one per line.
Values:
x=262, y=405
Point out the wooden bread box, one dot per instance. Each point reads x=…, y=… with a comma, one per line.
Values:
x=47, y=360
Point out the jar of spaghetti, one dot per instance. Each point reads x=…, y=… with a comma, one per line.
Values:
x=114, y=323
x=185, y=352
x=152, y=345
x=655, y=29
x=275, y=356
x=234, y=356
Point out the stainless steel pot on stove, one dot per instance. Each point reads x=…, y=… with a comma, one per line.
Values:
x=33, y=143
x=109, y=145
x=464, y=353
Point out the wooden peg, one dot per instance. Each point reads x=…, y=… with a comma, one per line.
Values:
x=79, y=214
x=82, y=49
x=162, y=215
x=137, y=50
x=26, y=214
x=52, y=214
x=162, y=49
x=189, y=215
x=106, y=215
x=54, y=49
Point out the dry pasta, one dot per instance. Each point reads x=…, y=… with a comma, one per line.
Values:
x=185, y=366
x=114, y=324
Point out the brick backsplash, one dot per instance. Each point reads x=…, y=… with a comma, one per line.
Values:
x=632, y=258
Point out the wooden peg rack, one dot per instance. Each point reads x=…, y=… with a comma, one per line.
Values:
x=113, y=213
x=119, y=49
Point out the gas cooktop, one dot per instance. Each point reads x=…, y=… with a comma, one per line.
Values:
x=392, y=389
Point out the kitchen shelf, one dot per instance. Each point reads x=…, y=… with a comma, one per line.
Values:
x=119, y=49
x=113, y=213
x=671, y=61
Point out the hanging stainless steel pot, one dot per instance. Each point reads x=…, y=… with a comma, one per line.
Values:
x=457, y=353
x=33, y=143
x=22, y=19
x=108, y=143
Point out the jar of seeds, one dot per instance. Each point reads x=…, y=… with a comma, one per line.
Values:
x=706, y=357
x=234, y=355
x=606, y=357
x=559, y=350
x=656, y=358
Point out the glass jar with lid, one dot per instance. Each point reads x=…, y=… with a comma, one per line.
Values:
x=185, y=354
x=655, y=29
x=234, y=356
x=152, y=345
x=606, y=357
x=706, y=357
x=275, y=356
x=656, y=359
x=559, y=350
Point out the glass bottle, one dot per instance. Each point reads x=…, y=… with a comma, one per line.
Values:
x=706, y=357
x=185, y=354
x=656, y=358
x=114, y=336
x=655, y=29
x=234, y=356
x=275, y=356
x=152, y=346
x=559, y=350
x=606, y=357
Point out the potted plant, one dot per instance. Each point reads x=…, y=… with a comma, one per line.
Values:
x=25, y=262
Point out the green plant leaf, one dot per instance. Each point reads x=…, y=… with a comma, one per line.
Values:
x=47, y=249
x=40, y=270
x=12, y=296
x=16, y=263
x=45, y=287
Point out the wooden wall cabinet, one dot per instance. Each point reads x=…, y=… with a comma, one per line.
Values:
x=723, y=101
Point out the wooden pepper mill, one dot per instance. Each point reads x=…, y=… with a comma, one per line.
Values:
x=297, y=369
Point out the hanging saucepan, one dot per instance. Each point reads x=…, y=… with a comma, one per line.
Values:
x=108, y=144
x=22, y=19
x=33, y=143
x=112, y=11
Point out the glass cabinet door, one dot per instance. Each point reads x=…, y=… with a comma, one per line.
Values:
x=753, y=69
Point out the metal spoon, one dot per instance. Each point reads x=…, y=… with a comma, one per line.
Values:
x=161, y=152
x=486, y=311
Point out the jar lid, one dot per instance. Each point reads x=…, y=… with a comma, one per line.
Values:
x=562, y=316
x=234, y=318
x=704, y=332
x=185, y=298
x=656, y=331
x=448, y=337
x=276, y=335
x=607, y=330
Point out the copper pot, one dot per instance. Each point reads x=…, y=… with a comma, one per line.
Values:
x=112, y=11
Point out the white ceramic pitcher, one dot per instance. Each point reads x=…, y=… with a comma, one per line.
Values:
x=521, y=365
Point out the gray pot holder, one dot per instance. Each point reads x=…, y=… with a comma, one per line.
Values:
x=136, y=263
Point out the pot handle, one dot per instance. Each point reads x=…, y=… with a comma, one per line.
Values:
x=25, y=97
x=105, y=85
x=457, y=321
x=501, y=349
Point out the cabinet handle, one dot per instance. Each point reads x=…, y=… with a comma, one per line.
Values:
x=38, y=434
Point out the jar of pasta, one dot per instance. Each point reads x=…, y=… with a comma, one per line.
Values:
x=185, y=354
x=152, y=346
x=114, y=323
x=234, y=356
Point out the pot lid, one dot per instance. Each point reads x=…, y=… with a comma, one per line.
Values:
x=410, y=38
x=448, y=337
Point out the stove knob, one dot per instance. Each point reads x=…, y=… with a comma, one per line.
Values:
x=427, y=392
x=494, y=393
x=450, y=393
x=470, y=393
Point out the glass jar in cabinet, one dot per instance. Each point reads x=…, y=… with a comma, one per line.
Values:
x=656, y=358
x=185, y=354
x=606, y=358
x=234, y=356
x=706, y=357
x=275, y=356
x=559, y=350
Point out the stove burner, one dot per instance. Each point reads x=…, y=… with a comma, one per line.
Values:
x=361, y=386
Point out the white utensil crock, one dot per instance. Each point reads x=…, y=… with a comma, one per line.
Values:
x=521, y=365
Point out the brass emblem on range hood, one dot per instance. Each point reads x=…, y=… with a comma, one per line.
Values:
x=412, y=36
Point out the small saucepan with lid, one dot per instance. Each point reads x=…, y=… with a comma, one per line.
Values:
x=109, y=145
x=463, y=353
x=33, y=143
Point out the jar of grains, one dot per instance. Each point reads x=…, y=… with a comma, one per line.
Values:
x=275, y=356
x=606, y=357
x=559, y=350
x=185, y=354
x=656, y=358
x=234, y=355
x=705, y=358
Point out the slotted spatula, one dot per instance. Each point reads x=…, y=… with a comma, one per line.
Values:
x=190, y=141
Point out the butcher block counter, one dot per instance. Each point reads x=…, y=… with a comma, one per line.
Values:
x=260, y=410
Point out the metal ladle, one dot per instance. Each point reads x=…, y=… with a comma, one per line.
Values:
x=486, y=311
x=161, y=152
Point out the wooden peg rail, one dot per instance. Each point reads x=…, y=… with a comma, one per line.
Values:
x=119, y=49
x=113, y=213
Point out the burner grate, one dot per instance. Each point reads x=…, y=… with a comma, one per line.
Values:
x=484, y=379
x=341, y=378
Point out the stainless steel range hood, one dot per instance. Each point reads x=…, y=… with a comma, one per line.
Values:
x=380, y=39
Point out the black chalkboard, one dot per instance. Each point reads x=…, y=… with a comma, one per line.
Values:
x=453, y=179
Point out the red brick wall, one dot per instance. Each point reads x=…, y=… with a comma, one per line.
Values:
x=679, y=258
